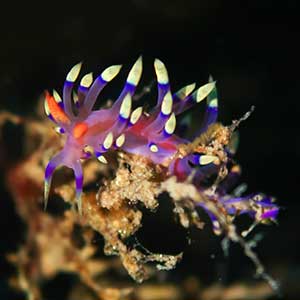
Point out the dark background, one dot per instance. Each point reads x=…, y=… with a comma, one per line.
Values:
x=250, y=47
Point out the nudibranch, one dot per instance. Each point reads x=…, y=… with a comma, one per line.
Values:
x=94, y=132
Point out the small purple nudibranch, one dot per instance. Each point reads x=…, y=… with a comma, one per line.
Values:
x=89, y=132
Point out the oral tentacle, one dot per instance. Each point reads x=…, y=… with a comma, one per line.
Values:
x=54, y=110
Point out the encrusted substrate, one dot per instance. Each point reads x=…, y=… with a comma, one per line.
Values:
x=60, y=240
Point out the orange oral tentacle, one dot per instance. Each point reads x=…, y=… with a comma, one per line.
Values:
x=56, y=111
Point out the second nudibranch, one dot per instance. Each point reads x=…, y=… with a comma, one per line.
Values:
x=151, y=135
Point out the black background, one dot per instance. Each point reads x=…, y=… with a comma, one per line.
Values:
x=250, y=47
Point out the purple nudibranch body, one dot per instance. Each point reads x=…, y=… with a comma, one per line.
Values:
x=152, y=135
